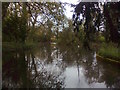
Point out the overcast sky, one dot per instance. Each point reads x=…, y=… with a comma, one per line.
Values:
x=68, y=8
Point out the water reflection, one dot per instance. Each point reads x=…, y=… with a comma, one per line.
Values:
x=57, y=66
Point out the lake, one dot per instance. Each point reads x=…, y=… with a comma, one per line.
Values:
x=51, y=66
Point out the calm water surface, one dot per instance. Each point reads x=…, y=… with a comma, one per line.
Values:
x=57, y=66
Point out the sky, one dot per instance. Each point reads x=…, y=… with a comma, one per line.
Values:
x=68, y=12
x=68, y=8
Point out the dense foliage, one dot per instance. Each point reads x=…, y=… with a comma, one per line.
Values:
x=92, y=22
x=94, y=15
x=22, y=21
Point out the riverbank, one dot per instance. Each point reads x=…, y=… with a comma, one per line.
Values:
x=12, y=45
x=110, y=52
x=107, y=59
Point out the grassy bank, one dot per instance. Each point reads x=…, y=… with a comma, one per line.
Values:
x=17, y=46
x=110, y=51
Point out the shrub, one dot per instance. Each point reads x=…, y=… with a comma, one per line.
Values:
x=101, y=38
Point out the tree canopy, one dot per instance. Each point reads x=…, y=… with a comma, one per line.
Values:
x=20, y=18
x=97, y=14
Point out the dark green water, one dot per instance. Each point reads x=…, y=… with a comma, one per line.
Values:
x=62, y=67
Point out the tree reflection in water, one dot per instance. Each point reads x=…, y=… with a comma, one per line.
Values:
x=57, y=66
x=31, y=69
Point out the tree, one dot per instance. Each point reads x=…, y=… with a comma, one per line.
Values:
x=111, y=14
x=90, y=13
x=30, y=15
x=94, y=15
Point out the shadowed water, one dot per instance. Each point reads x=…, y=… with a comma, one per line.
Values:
x=49, y=66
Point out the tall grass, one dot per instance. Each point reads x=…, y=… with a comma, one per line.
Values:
x=110, y=51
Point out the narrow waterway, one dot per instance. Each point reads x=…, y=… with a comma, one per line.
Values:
x=51, y=66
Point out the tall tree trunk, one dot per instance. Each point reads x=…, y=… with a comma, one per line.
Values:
x=114, y=36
